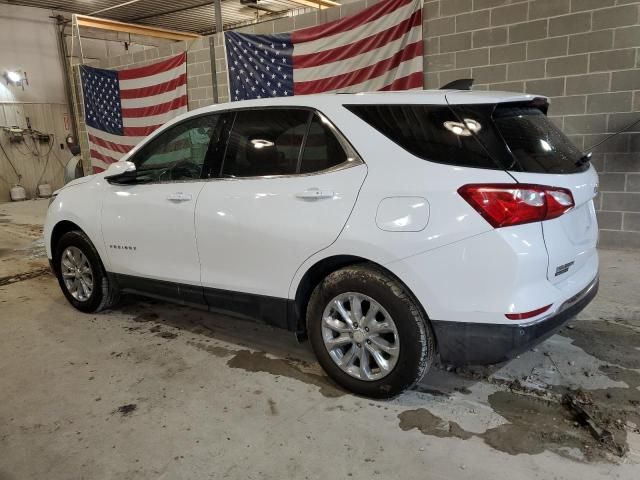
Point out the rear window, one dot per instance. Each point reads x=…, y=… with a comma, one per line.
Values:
x=508, y=136
x=535, y=142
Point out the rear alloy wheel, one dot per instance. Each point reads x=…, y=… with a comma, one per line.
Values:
x=360, y=336
x=368, y=332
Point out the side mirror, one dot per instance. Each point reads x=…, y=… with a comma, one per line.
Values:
x=121, y=172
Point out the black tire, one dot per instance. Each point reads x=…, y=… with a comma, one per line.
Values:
x=416, y=339
x=104, y=295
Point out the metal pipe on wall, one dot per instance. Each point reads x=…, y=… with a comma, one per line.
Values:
x=62, y=49
x=212, y=51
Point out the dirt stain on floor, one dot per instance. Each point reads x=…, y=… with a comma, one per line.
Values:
x=146, y=317
x=430, y=424
x=214, y=350
x=273, y=410
x=126, y=410
x=618, y=345
x=286, y=367
x=535, y=425
x=617, y=409
x=24, y=276
x=609, y=341
x=168, y=335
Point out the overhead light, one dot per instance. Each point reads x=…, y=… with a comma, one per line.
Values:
x=260, y=143
x=14, y=77
x=545, y=145
x=466, y=129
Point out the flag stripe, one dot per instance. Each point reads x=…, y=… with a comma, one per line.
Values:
x=361, y=61
x=153, y=69
x=105, y=158
x=303, y=47
x=152, y=120
x=141, y=131
x=157, y=109
x=109, y=137
x=106, y=152
x=360, y=46
x=151, y=80
x=348, y=23
x=410, y=82
x=375, y=84
x=149, y=101
x=115, y=147
x=153, y=90
x=360, y=75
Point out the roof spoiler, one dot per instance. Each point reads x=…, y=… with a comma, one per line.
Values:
x=460, y=84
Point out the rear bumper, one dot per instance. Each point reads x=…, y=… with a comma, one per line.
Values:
x=465, y=343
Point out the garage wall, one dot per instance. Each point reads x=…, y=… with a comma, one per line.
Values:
x=583, y=54
x=29, y=43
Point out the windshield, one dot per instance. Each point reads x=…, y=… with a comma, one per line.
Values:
x=536, y=144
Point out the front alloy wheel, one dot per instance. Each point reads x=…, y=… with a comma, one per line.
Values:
x=81, y=274
x=77, y=273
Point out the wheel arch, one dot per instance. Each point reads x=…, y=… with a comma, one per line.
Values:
x=320, y=270
x=58, y=230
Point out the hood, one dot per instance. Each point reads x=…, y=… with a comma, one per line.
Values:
x=77, y=181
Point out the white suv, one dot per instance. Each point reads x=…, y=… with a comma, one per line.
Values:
x=386, y=227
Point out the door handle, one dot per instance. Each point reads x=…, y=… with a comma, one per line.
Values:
x=314, y=193
x=179, y=197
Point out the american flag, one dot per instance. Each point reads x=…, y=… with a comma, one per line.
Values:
x=122, y=107
x=379, y=48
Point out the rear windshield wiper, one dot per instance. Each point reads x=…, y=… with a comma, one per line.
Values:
x=586, y=158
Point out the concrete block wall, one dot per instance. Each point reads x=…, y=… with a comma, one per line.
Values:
x=583, y=54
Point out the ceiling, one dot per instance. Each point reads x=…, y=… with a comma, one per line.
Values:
x=195, y=16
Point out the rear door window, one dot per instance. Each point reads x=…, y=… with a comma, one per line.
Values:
x=322, y=150
x=265, y=142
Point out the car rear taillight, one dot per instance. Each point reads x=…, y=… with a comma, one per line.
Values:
x=507, y=204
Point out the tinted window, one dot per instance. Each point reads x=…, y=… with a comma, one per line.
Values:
x=265, y=142
x=179, y=153
x=535, y=142
x=322, y=150
x=516, y=137
x=421, y=130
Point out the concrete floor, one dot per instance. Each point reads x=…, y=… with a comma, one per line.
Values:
x=151, y=390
